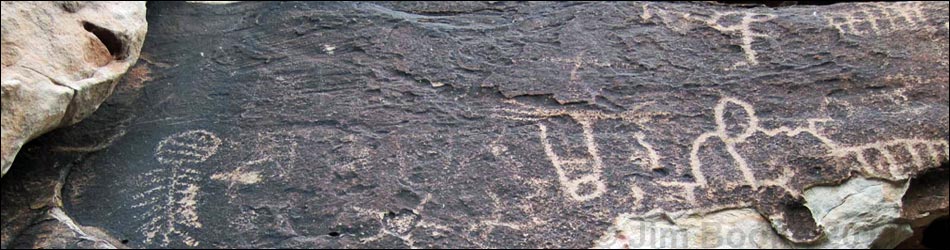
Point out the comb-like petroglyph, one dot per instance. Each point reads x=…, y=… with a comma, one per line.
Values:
x=171, y=198
x=508, y=125
x=880, y=18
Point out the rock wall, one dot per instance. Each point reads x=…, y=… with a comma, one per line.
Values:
x=504, y=125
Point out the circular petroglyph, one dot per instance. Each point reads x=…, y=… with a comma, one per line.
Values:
x=194, y=146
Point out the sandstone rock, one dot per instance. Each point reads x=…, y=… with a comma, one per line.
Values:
x=60, y=61
x=860, y=214
x=506, y=125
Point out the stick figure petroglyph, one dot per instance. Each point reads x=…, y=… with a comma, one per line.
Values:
x=171, y=202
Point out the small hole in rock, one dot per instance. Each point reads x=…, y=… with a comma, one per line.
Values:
x=125, y=242
x=110, y=40
x=334, y=234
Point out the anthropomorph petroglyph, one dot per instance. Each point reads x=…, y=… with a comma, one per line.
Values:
x=587, y=186
x=880, y=18
x=172, y=195
x=743, y=29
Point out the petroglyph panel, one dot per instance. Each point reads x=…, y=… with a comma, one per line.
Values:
x=492, y=124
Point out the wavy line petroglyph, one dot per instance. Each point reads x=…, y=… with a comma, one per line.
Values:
x=594, y=162
x=171, y=200
x=880, y=18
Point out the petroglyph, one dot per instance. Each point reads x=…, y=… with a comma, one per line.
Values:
x=188, y=147
x=922, y=153
x=593, y=163
x=400, y=225
x=743, y=29
x=171, y=198
x=891, y=166
x=880, y=18
x=489, y=224
x=675, y=20
x=653, y=158
x=239, y=176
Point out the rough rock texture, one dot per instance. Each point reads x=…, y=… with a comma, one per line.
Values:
x=469, y=124
x=60, y=61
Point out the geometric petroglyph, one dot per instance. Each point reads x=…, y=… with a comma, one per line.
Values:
x=171, y=194
x=579, y=187
x=743, y=28
x=880, y=18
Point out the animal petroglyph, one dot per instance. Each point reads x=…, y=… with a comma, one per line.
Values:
x=743, y=29
x=880, y=18
x=171, y=200
x=593, y=163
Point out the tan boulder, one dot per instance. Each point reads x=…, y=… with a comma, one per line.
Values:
x=60, y=61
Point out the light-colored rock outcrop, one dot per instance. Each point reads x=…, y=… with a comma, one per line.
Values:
x=861, y=213
x=60, y=61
